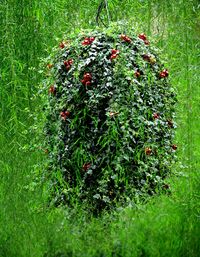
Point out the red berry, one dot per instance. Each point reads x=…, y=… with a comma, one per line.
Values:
x=166, y=186
x=114, y=51
x=62, y=45
x=86, y=166
x=70, y=61
x=174, y=147
x=156, y=116
x=146, y=42
x=113, y=56
x=148, y=151
x=49, y=66
x=87, y=76
x=125, y=38
x=128, y=40
x=142, y=36
x=137, y=74
x=91, y=39
x=88, y=40
x=170, y=123
x=146, y=57
x=52, y=90
x=63, y=116
x=164, y=73
x=88, y=83
x=67, y=113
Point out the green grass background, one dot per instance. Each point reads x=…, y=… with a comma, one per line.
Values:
x=165, y=226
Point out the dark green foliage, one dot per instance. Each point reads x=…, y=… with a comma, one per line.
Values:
x=167, y=225
x=109, y=118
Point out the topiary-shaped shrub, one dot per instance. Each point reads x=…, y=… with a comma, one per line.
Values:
x=109, y=118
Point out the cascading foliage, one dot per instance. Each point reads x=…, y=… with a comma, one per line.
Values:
x=109, y=118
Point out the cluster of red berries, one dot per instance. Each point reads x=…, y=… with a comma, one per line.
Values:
x=88, y=41
x=144, y=38
x=164, y=73
x=87, y=79
x=68, y=64
x=125, y=38
x=114, y=54
x=64, y=115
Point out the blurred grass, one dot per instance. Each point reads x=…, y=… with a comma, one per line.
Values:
x=167, y=225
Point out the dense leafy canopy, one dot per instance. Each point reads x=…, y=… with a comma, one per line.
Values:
x=109, y=118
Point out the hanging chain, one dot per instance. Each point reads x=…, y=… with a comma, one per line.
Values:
x=103, y=5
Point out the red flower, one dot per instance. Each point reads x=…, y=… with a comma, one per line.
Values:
x=88, y=41
x=156, y=116
x=62, y=45
x=64, y=115
x=148, y=151
x=142, y=36
x=125, y=38
x=52, y=90
x=164, y=73
x=174, y=147
x=137, y=74
x=86, y=166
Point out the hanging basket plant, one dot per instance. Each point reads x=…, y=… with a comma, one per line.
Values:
x=109, y=118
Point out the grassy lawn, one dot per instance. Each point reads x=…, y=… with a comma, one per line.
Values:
x=168, y=225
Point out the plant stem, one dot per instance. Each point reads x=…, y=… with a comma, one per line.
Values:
x=107, y=10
